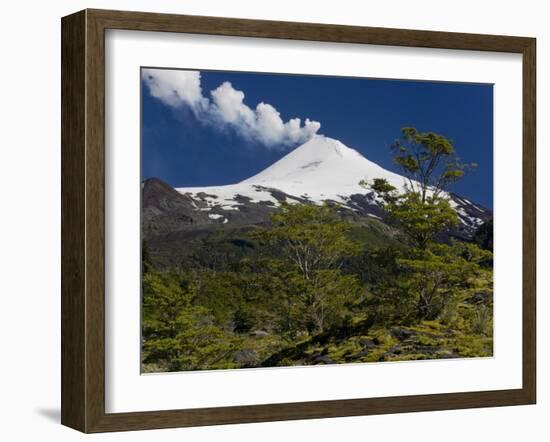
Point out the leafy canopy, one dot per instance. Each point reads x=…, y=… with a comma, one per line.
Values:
x=176, y=331
x=312, y=242
x=422, y=220
x=428, y=161
x=430, y=274
x=311, y=237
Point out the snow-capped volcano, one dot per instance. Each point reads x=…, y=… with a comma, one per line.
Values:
x=322, y=169
x=318, y=170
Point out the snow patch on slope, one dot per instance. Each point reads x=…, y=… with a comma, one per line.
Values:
x=226, y=197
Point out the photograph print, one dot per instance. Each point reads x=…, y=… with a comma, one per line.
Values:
x=301, y=220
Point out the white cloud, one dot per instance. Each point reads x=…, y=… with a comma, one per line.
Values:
x=226, y=107
x=176, y=88
x=229, y=104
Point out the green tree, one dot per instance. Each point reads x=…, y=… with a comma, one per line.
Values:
x=428, y=161
x=218, y=291
x=311, y=237
x=430, y=164
x=422, y=220
x=312, y=241
x=178, y=334
x=429, y=274
x=433, y=277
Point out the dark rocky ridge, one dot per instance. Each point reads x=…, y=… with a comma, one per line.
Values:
x=175, y=223
x=165, y=210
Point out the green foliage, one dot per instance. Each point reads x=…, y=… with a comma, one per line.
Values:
x=483, y=321
x=220, y=292
x=244, y=319
x=423, y=281
x=312, y=242
x=429, y=275
x=317, y=285
x=419, y=216
x=322, y=300
x=433, y=277
x=429, y=161
x=310, y=237
x=421, y=220
x=177, y=332
x=382, y=187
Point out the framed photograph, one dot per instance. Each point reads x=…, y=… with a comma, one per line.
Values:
x=267, y=221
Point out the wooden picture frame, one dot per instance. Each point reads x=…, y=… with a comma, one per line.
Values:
x=83, y=220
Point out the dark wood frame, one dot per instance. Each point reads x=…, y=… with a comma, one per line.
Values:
x=83, y=216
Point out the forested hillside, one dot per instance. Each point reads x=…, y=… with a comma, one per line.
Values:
x=305, y=283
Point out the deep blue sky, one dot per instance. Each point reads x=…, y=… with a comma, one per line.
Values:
x=365, y=114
